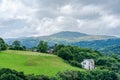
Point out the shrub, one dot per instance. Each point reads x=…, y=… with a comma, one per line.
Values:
x=75, y=63
x=71, y=75
x=38, y=77
x=65, y=53
x=9, y=77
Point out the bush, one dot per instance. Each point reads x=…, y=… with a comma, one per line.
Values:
x=8, y=74
x=42, y=46
x=38, y=77
x=89, y=75
x=103, y=75
x=11, y=73
x=71, y=75
x=3, y=46
x=106, y=61
x=65, y=53
x=75, y=63
x=9, y=77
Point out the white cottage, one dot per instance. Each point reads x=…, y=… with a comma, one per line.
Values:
x=88, y=64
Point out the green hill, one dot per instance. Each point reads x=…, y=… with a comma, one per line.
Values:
x=33, y=62
x=65, y=37
x=68, y=34
x=114, y=49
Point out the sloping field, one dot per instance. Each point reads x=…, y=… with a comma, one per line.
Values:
x=33, y=62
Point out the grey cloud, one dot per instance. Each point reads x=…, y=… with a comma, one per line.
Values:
x=43, y=17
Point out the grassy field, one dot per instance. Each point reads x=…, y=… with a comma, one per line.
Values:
x=33, y=62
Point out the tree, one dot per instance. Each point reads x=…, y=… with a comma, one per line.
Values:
x=10, y=77
x=16, y=45
x=42, y=46
x=58, y=47
x=103, y=75
x=65, y=53
x=71, y=75
x=37, y=77
x=3, y=46
x=8, y=74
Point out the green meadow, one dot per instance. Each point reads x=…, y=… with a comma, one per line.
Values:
x=34, y=62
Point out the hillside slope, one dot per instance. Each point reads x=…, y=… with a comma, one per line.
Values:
x=114, y=49
x=33, y=62
x=105, y=46
x=65, y=37
x=69, y=34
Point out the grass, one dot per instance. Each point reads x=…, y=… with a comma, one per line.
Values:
x=33, y=62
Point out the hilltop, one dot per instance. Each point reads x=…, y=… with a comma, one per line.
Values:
x=65, y=37
x=69, y=34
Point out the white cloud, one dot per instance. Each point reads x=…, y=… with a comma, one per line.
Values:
x=111, y=21
x=15, y=9
x=20, y=18
x=67, y=9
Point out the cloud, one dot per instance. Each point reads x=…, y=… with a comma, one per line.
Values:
x=22, y=18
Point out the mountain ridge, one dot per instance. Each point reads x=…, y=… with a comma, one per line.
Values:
x=64, y=37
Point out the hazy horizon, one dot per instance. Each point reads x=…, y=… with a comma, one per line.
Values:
x=59, y=32
x=24, y=18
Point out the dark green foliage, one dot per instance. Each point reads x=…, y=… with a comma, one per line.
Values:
x=38, y=77
x=8, y=74
x=89, y=75
x=75, y=55
x=10, y=77
x=42, y=46
x=16, y=45
x=71, y=75
x=106, y=47
x=58, y=47
x=115, y=67
x=106, y=61
x=65, y=53
x=113, y=49
x=103, y=75
x=24, y=47
x=110, y=63
x=3, y=46
x=75, y=63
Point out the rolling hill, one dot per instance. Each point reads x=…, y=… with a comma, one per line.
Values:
x=105, y=46
x=65, y=37
x=68, y=34
x=33, y=62
x=114, y=49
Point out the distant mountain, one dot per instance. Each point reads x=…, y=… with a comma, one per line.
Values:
x=68, y=34
x=97, y=44
x=65, y=37
x=105, y=46
x=114, y=49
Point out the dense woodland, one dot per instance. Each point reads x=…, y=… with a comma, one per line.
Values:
x=8, y=74
x=107, y=67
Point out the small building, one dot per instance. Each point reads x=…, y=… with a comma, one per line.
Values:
x=51, y=51
x=88, y=64
x=34, y=50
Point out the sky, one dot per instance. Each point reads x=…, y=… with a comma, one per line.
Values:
x=25, y=18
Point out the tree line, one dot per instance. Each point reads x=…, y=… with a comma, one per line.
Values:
x=16, y=45
x=8, y=74
x=73, y=55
